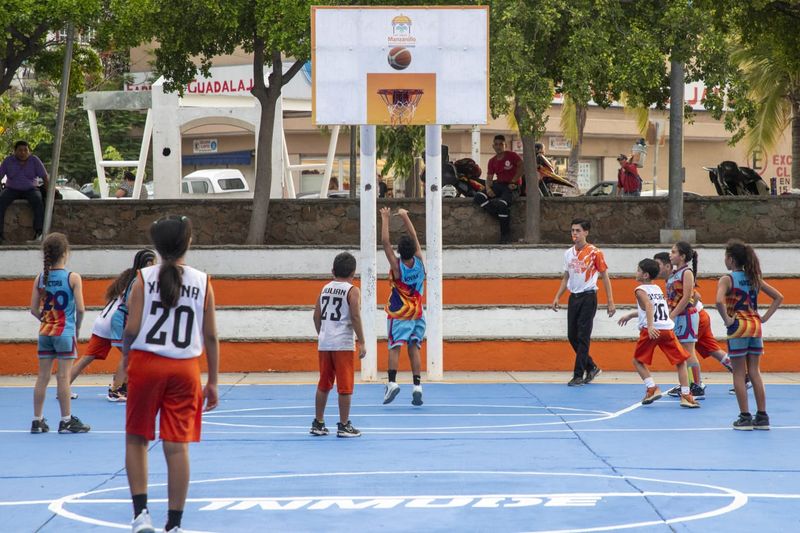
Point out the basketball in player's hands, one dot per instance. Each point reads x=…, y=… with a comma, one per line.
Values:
x=399, y=58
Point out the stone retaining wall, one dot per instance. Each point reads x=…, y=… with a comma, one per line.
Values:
x=312, y=222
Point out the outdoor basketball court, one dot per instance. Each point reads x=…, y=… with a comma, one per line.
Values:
x=476, y=457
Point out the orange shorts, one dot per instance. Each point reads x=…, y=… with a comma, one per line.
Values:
x=98, y=347
x=336, y=366
x=706, y=343
x=167, y=387
x=666, y=341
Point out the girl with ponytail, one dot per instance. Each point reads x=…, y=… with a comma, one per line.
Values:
x=57, y=302
x=737, y=303
x=109, y=324
x=682, y=300
x=171, y=321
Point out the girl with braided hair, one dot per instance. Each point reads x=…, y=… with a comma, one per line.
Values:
x=108, y=326
x=57, y=302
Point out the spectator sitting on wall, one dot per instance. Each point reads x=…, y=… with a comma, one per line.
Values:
x=25, y=174
x=382, y=187
x=126, y=187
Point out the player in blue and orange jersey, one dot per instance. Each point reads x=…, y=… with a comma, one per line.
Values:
x=682, y=300
x=57, y=302
x=707, y=345
x=737, y=303
x=405, y=316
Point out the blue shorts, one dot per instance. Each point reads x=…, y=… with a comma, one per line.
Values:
x=405, y=331
x=686, y=327
x=741, y=346
x=61, y=347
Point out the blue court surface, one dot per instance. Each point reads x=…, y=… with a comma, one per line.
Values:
x=475, y=457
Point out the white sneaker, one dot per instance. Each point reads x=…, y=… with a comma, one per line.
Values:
x=175, y=529
x=416, y=395
x=143, y=523
x=391, y=392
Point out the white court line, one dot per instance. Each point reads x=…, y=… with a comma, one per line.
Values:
x=644, y=494
x=481, y=406
x=408, y=415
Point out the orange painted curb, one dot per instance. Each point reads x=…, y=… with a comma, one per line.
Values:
x=20, y=358
x=490, y=291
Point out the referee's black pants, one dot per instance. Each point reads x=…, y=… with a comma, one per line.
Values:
x=580, y=319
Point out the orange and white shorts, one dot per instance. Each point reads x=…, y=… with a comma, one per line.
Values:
x=667, y=342
x=706, y=343
x=167, y=387
x=99, y=347
x=336, y=366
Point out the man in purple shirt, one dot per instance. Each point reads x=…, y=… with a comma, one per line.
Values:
x=22, y=172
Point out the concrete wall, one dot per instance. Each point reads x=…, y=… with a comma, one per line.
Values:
x=336, y=222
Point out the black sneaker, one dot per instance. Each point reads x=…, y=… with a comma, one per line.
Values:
x=698, y=391
x=116, y=395
x=761, y=422
x=346, y=430
x=675, y=391
x=74, y=425
x=744, y=422
x=318, y=428
x=40, y=426
x=591, y=374
x=576, y=381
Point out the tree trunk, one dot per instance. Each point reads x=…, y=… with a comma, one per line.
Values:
x=575, y=153
x=267, y=96
x=533, y=200
x=796, y=143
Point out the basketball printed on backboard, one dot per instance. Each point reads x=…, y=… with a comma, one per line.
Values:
x=399, y=58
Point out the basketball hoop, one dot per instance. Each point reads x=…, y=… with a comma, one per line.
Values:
x=401, y=104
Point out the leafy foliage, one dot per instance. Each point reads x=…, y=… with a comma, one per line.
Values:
x=19, y=122
x=399, y=147
x=28, y=25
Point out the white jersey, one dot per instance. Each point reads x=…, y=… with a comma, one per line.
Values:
x=583, y=267
x=175, y=332
x=336, y=330
x=107, y=323
x=661, y=319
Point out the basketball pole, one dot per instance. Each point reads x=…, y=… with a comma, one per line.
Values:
x=433, y=250
x=368, y=261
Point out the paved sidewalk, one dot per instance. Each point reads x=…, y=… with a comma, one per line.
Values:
x=298, y=378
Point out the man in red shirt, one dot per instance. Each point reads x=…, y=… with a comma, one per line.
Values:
x=506, y=166
x=628, y=181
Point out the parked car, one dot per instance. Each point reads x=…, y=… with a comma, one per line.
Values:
x=609, y=188
x=331, y=194
x=68, y=193
x=88, y=190
x=216, y=181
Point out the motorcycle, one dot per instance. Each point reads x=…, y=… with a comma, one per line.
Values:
x=465, y=176
x=730, y=179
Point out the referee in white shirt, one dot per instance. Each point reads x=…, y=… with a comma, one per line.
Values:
x=583, y=263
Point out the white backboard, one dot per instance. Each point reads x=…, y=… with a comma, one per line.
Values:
x=368, y=60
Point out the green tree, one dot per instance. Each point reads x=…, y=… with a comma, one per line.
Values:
x=19, y=122
x=400, y=146
x=760, y=99
x=30, y=27
x=191, y=33
x=523, y=36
